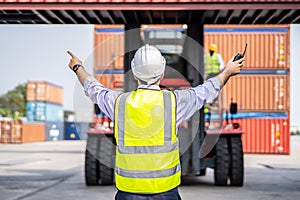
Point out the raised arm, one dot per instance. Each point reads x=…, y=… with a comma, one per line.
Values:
x=76, y=65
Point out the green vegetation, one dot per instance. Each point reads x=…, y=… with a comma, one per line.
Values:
x=13, y=103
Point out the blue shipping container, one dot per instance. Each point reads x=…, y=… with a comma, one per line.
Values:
x=43, y=112
x=54, y=131
x=76, y=130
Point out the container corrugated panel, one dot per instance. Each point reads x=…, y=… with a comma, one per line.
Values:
x=6, y=131
x=44, y=91
x=268, y=46
x=265, y=135
x=16, y=132
x=110, y=80
x=33, y=132
x=269, y=93
x=42, y=112
x=31, y=91
x=54, y=131
x=109, y=49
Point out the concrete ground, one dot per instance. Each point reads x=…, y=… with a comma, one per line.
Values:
x=55, y=170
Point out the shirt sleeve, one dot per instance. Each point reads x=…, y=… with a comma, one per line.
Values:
x=100, y=95
x=191, y=100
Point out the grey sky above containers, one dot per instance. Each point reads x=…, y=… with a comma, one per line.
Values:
x=38, y=53
x=294, y=74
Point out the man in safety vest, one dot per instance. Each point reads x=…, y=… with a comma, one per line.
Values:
x=146, y=122
x=213, y=62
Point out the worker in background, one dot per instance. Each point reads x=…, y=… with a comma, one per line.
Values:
x=213, y=62
x=146, y=123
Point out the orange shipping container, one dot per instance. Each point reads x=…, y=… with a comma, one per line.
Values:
x=44, y=91
x=34, y=132
x=268, y=93
x=16, y=132
x=109, y=49
x=265, y=135
x=268, y=45
x=110, y=80
x=5, y=131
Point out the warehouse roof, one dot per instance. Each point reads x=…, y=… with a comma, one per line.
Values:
x=150, y=11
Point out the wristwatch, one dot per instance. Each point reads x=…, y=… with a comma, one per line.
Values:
x=76, y=67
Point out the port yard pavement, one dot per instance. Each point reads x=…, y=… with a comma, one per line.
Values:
x=55, y=170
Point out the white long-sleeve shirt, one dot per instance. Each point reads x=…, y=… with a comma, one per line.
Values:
x=188, y=101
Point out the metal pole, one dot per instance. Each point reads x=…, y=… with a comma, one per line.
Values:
x=132, y=39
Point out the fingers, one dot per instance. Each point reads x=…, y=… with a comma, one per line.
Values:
x=71, y=54
x=240, y=60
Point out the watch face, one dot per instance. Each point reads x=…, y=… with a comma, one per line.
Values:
x=75, y=68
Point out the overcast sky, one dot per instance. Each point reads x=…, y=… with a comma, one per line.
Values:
x=38, y=53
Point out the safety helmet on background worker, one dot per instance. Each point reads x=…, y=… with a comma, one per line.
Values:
x=212, y=47
x=148, y=64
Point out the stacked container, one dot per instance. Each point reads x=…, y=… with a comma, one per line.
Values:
x=262, y=89
x=45, y=106
x=109, y=54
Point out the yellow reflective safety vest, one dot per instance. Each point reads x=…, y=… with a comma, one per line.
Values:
x=212, y=65
x=147, y=154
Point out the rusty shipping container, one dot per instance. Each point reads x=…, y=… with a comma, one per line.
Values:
x=44, y=91
x=265, y=135
x=108, y=47
x=11, y=131
x=5, y=131
x=16, y=132
x=268, y=45
x=259, y=92
x=33, y=132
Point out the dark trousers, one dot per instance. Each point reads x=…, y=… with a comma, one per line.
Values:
x=169, y=195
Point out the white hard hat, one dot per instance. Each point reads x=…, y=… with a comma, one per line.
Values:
x=148, y=64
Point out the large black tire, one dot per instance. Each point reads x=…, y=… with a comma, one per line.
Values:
x=91, y=168
x=106, y=160
x=236, y=169
x=221, y=170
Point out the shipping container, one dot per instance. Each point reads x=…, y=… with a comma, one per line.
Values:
x=110, y=81
x=109, y=48
x=265, y=135
x=44, y=91
x=6, y=129
x=33, y=132
x=42, y=112
x=54, y=131
x=75, y=130
x=16, y=132
x=258, y=92
x=268, y=45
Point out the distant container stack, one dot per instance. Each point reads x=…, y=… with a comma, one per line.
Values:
x=45, y=107
x=263, y=85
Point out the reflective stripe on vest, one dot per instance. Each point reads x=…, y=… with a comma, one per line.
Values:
x=212, y=65
x=147, y=157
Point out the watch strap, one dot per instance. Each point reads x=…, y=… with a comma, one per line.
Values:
x=76, y=67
